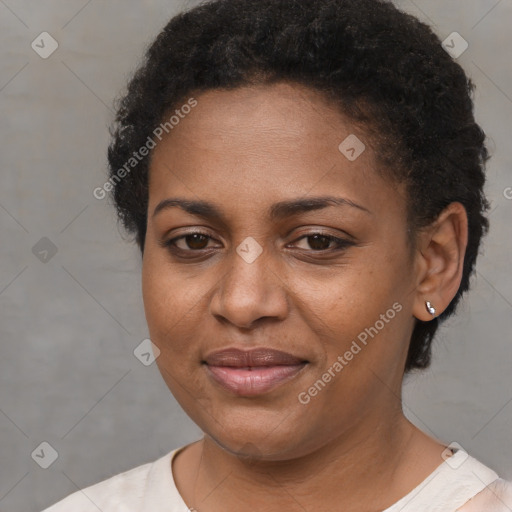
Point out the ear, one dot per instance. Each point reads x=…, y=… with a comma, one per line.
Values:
x=439, y=261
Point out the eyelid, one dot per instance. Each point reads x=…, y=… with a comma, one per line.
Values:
x=310, y=230
x=167, y=242
x=341, y=243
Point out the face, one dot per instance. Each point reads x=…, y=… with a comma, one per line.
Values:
x=243, y=251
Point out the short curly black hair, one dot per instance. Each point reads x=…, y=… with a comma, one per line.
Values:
x=381, y=67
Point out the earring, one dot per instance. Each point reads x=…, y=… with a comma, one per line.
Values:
x=431, y=309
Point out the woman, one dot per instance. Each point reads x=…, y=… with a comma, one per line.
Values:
x=305, y=182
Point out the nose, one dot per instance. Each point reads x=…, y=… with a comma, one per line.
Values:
x=249, y=293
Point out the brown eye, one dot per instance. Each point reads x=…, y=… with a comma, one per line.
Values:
x=196, y=241
x=319, y=242
x=191, y=246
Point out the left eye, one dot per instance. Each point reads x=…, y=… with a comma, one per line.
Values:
x=321, y=242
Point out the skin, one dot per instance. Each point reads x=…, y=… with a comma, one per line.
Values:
x=245, y=150
x=496, y=497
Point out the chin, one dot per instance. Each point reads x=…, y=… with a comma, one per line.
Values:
x=257, y=436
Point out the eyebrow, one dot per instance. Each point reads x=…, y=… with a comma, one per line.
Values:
x=297, y=206
x=280, y=210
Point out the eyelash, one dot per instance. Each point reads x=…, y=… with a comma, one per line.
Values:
x=341, y=243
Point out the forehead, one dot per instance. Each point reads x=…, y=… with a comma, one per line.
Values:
x=265, y=142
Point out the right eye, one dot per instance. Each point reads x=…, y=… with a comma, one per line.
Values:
x=192, y=241
x=188, y=243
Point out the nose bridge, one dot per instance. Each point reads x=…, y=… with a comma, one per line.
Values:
x=249, y=261
x=246, y=279
x=249, y=288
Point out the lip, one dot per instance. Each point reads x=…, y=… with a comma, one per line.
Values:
x=252, y=372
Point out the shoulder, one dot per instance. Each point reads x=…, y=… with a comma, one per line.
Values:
x=496, y=497
x=121, y=493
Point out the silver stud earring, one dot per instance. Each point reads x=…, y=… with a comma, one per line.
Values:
x=431, y=309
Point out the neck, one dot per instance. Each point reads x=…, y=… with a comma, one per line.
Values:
x=368, y=467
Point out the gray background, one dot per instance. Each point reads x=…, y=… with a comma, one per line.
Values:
x=69, y=326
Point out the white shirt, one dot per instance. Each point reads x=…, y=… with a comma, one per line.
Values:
x=459, y=480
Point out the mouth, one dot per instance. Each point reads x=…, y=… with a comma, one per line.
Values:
x=252, y=372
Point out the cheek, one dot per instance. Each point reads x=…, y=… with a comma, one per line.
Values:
x=346, y=298
x=166, y=301
x=363, y=303
x=171, y=305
